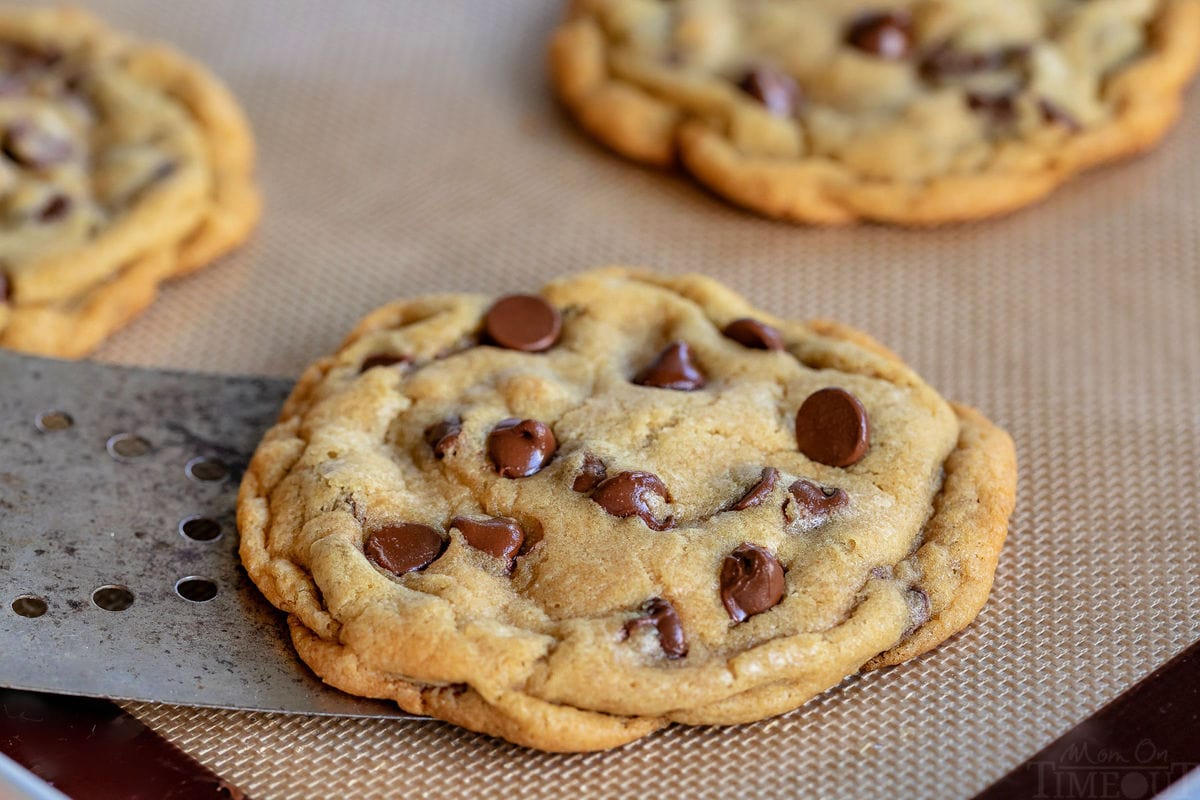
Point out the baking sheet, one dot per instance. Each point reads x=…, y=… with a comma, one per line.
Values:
x=411, y=147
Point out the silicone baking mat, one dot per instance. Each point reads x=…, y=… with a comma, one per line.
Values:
x=411, y=147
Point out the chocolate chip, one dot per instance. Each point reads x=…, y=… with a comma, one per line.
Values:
x=758, y=492
x=5, y=288
x=624, y=495
x=498, y=536
x=1054, y=114
x=404, y=547
x=443, y=436
x=751, y=582
x=523, y=322
x=948, y=61
x=775, y=90
x=25, y=56
x=31, y=147
x=674, y=368
x=75, y=81
x=55, y=209
x=533, y=536
x=809, y=502
x=754, y=334
x=886, y=34
x=383, y=360
x=832, y=428
x=1001, y=108
x=659, y=613
x=591, y=474
x=520, y=448
x=918, y=609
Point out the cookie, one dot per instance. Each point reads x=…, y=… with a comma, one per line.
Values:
x=916, y=113
x=571, y=518
x=121, y=163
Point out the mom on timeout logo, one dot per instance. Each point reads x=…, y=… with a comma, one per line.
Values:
x=1088, y=770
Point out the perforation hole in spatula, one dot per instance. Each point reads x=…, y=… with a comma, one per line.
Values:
x=113, y=597
x=206, y=470
x=196, y=589
x=52, y=421
x=199, y=529
x=30, y=605
x=127, y=446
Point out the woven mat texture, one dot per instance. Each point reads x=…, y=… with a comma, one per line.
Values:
x=411, y=146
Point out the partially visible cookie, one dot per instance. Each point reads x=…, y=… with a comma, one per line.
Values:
x=568, y=519
x=121, y=163
x=914, y=112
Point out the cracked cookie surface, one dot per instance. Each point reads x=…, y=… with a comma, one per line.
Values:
x=121, y=163
x=904, y=111
x=568, y=519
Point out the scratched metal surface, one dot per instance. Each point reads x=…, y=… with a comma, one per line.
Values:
x=74, y=518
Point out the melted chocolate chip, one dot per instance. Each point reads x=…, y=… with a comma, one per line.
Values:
x=1053, y=114
x=1000, y=108
x=885, y=34
x=775, y=90
x=754, y=334
x=443, y=436
x=674, y=368
x=29, y=56
x=591, y=474
x=520, y=448
x=759, y=491
x=5, y=288
x=624, y=495
x=832, y=428
x=533, y=536
x=383, y=360
x=660, y=614
x=30, y=147
x=498, y=536
x=808, y=502
x=523, y=322
x=751, y=582
x=947, y=61
x=918, y=609
x=55, y=209
x=404, y=547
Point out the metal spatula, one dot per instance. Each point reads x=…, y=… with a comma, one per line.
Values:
x=119, y=574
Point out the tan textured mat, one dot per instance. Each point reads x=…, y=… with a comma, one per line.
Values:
x=412, y=147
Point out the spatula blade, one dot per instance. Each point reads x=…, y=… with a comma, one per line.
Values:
x=119, y=574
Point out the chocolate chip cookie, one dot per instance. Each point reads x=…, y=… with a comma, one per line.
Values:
x=570, y=518
x=121, y=163
x=914, y=112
